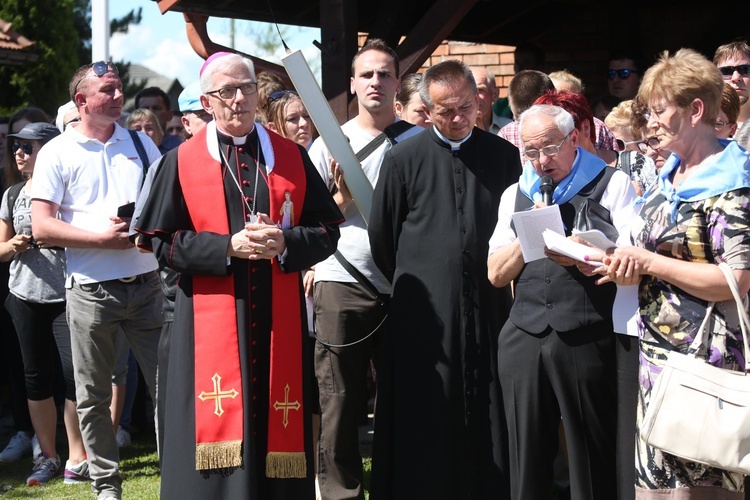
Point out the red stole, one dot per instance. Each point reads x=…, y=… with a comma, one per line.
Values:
x=218, y=378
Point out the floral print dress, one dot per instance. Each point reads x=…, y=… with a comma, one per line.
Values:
x=710, y=230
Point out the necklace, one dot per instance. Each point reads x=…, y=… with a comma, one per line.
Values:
x=253, y=217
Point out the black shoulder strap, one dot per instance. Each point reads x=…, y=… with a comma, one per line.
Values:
x=391, y=132
x=13, y=193
x=395, y=129
x=141, y=153
x=361, y=278
x=624, y=162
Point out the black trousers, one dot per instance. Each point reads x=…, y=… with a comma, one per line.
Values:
x=626, y=352
x=553, y=375
x=344, y=312
x=44, y=337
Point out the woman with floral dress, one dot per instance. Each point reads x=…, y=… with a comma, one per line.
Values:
x=693, y=218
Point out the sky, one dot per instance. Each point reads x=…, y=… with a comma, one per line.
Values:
x=160, y=42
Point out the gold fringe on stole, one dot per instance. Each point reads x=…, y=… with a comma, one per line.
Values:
x=285, y=464
x=218, y=455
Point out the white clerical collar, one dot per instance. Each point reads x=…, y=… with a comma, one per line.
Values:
x=453, y=144
x=212, y=143
x=237, y=141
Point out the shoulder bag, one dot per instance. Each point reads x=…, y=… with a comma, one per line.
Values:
x=698, y=411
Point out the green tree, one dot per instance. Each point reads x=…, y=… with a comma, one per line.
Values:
x=62, y=32
x=42, y=83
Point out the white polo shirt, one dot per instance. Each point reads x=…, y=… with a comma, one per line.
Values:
x=89, y=180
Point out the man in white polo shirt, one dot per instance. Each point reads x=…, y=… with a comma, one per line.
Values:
x=87, y=174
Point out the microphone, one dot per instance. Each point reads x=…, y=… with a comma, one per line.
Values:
x=547, y=187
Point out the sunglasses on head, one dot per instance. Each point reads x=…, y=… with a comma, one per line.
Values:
x=27, y=148
x=742, y=69
x=100, y=68
x=281, y=93
x=622, y=73
x=624, y=144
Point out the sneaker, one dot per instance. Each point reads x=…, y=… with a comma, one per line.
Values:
x=45, y=468
x=36, y=450
x=122, y=437
x=19, y=445
x=76, y=474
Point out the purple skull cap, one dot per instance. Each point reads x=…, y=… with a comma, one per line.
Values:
x=211, y=59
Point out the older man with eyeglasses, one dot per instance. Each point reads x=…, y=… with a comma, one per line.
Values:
x=88, y=174
x=238, y=399
x=556, y=352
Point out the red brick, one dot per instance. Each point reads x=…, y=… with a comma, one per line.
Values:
x=481, y=59
x=455, y=48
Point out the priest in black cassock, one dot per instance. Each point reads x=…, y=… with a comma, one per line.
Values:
x=238, y=403
x=439, y=423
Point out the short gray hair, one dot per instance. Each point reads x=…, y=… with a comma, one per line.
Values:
x=563, y=119
x=227, y=61
x=448, y=73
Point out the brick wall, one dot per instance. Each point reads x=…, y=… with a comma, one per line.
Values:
x=498, y=59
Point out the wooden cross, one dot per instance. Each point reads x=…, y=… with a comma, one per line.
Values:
x=286, y=405
x=217, y=395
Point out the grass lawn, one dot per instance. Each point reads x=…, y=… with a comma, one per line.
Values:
x=140, y=467
x=139, y=464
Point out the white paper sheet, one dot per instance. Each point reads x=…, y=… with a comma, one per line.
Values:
x=530, y=225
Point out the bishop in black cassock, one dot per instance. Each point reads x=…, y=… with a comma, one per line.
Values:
x=192, y=253
x=439, y=424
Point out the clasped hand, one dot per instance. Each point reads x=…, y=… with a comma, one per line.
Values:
x=258, y=240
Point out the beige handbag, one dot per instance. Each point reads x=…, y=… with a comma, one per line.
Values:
x=700, y=412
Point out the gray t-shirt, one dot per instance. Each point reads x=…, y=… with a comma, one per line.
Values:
x=38, y=274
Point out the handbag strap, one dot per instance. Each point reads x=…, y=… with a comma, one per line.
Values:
x=701, y=339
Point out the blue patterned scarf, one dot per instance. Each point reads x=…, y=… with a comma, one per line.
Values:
x=728, y=171
x=585, y=169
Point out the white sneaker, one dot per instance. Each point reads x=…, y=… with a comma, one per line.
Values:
x=122, y=437
x=36, y=450
x=19, y=445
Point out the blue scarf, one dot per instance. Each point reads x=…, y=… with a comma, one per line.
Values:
x=728, y=171
x=585, y=169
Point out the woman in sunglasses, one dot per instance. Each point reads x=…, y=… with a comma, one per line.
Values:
x=20, y=445
x=36, y=304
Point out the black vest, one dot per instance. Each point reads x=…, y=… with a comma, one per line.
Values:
x=562, y=297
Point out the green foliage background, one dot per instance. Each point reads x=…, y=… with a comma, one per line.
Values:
x=62, y=32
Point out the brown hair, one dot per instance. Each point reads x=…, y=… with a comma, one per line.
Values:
x=682, y=78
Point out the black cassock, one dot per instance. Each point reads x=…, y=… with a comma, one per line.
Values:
x=439, y=425
x=178, y=246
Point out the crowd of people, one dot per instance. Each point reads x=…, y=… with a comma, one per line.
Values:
x=219, y=251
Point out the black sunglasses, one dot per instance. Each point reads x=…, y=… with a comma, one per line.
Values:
x=622, y=73
x=100, y=68
x=742, y=69
x=27, y=148
x=281, y=93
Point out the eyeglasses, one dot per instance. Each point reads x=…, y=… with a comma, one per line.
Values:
x=549, y=151
x=622, y=73
x=27, y=148
x=74, y=120
x=100, y=68
x=621, y=145
x=202, y=115
x=651, y=142
x=742, y=69
x=231, y=92
x=281, y=93
x=721, y=124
